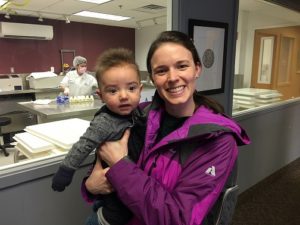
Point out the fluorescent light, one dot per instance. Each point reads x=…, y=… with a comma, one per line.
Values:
x=101, y=16
x=94, y=1
x=2, y=2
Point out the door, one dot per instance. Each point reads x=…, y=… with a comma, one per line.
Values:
x=274, y=62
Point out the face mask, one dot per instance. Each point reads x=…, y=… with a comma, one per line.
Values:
x=82, y=70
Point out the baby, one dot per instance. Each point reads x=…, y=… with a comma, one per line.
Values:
x=120, y=88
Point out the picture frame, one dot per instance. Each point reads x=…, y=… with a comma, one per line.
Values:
x=210, y=40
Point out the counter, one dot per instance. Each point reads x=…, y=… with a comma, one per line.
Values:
x=21, y=118
x=29, y=91
x=53, y=111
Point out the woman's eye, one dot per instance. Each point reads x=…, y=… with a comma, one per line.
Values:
x=182, y=66
x=160, y=72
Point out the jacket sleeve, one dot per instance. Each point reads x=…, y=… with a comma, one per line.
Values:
x=91, y=139
x=194, y=193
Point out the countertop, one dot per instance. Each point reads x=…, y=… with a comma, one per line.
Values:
x=54, y=111
x=28, y=91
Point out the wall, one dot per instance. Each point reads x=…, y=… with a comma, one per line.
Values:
x=227, y=12
x=143, y=40
x=30, y=199
x=88, y=40
x=275, y=142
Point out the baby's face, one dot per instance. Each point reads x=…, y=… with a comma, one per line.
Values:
x=120, y=89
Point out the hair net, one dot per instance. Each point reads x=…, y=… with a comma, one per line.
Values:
x=79, y=60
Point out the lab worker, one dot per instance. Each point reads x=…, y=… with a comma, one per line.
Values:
x=78, y=82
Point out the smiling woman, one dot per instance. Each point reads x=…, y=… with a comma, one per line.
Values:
x=181, y=170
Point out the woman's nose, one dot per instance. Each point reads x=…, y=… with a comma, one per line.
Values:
x=172, y=75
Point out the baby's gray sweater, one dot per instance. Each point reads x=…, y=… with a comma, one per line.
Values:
x=105, y=126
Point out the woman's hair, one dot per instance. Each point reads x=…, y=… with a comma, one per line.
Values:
x=79, y=60
x=182, y=39
x=172, y=37
x=115, y=57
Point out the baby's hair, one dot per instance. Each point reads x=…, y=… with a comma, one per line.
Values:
x=115, y=57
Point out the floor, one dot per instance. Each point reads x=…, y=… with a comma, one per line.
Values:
x=273, y=201
x=9, y=159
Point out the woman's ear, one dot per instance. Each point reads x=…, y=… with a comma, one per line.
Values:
x=198, y=70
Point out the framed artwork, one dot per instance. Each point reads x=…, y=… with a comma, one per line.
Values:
x=210, y=39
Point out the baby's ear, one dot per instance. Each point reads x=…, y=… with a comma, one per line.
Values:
x=99, y=93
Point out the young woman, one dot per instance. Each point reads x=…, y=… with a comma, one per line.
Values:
x=189, y=150
x=78, y=82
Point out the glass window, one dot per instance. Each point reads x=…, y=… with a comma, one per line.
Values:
x=146, y=26
x=285, y=60
x=265, y=60
x=267, y=55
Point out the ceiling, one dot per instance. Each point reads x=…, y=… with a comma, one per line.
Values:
x=142, y=12
x=272, y=10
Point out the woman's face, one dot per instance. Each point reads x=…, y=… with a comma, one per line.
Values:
x=81, y=68
x=174, y=74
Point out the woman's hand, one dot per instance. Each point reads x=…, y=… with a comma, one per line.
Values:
x=97, y=182
x=112, y=151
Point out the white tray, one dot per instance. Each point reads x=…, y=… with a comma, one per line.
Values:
x=33, y=143
x=63, y=133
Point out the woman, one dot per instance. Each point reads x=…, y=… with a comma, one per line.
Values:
x=190, y=147
x=78, y=82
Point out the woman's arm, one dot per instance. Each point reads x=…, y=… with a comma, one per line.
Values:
x=193, y=195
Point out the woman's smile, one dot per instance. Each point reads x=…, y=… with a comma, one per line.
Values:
x=176, y=90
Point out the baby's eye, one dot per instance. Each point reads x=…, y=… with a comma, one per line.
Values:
x=132, y=87
x=111, y=90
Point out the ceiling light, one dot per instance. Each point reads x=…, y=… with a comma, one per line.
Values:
x=40, y=18
x=2, y=2
x=7, y=16
x=101, y=16
x=95, y=1
x=67, y=19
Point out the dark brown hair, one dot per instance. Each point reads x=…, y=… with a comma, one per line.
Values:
x=115, y=57
x=183, y=40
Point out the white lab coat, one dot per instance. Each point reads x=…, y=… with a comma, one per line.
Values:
x=79, y=85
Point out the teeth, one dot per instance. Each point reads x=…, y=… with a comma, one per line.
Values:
x=176, y=89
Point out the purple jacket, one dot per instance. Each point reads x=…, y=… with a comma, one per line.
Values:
x=160, y=189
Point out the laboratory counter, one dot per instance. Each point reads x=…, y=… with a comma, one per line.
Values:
x=53, y=111
x=29, y=91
